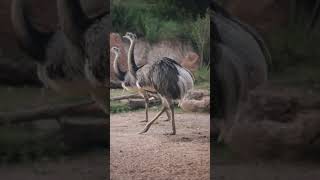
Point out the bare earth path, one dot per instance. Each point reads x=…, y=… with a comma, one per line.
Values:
x=157, y=156
x=90, y=166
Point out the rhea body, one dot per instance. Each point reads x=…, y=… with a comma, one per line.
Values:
x=164, y=76
x=128, y=80
x=91, y=37
x=60, y=63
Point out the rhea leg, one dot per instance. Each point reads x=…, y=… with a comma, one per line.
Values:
x=170, y=103
x=168, y=115
x=167, y=110
x=146, y=128
x=146, y=103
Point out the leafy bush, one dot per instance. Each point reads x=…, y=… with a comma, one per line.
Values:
x=202, y=77
x=200, y=34
x=154, y=20
x=21, y=144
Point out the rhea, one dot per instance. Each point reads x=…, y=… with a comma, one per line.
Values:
x=164, y=76
x=90, y=35
x=128, y=82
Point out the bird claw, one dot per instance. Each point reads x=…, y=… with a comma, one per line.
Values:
x=166, y=120
x=144, y=120
x=142, y=132
x=170, y=134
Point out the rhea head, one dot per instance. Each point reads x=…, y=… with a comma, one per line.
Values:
x=130, y=36
x=115, y=50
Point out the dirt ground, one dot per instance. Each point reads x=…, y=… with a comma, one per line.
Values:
x=90, y=166
x=263, y=170
x=157, y=156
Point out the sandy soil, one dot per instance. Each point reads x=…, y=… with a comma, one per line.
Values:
x=157, y=156
x=90, y=166
x=263, y=170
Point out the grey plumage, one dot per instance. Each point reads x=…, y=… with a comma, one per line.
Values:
x=129, y=79
x=92, y=37
x=240, y=59
x=171, y=81
x=165, y=77
x=60, y=62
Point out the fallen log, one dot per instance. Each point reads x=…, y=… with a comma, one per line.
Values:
x=131, y=96
x=137, y=104
x=85, y=108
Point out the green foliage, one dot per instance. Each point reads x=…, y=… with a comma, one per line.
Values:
x=295, y=55
x=202, y=77
x=200, y=33
x=21, y=143
x=118, y=107
x=154, y=20
x=291, y=47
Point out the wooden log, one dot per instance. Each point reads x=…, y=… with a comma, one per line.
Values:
x=138, y=104
x=131, y=96
x=85, y=108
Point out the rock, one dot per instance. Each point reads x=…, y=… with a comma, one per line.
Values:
x=191, y=61
x=277, y=123
x=196, y=101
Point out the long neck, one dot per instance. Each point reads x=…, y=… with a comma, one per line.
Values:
x=120, y=75
x=132, y=67
x=72, y=19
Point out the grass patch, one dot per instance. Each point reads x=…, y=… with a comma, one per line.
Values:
x=122, y=107
x=118, y=106
x=164, y=20
x=26, y=144
x=24, y=141
x=295, y=57
x=202, y=78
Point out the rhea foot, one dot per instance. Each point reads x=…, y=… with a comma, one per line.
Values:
x=170, y=134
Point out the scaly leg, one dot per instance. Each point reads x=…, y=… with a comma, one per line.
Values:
x=168, y=115
x=146, y=128
x=146, y=101
x=172, y=115
x=167, y=111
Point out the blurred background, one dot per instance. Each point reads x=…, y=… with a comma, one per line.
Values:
x=33, y=141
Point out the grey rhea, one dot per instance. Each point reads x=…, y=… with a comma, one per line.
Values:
x=60, y=63
x=128, y=80
x=165, y=77
x=91, y=36
x=240, y=59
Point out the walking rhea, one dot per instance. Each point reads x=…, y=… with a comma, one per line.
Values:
x=165, y=77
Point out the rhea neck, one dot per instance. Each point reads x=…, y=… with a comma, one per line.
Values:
x=115, y=63
x=132, y=67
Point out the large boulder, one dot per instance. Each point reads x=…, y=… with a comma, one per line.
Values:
x=196, y=101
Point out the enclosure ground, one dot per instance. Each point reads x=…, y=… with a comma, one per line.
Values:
x=236, y=169
x=90, y=166
x=157, y=156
